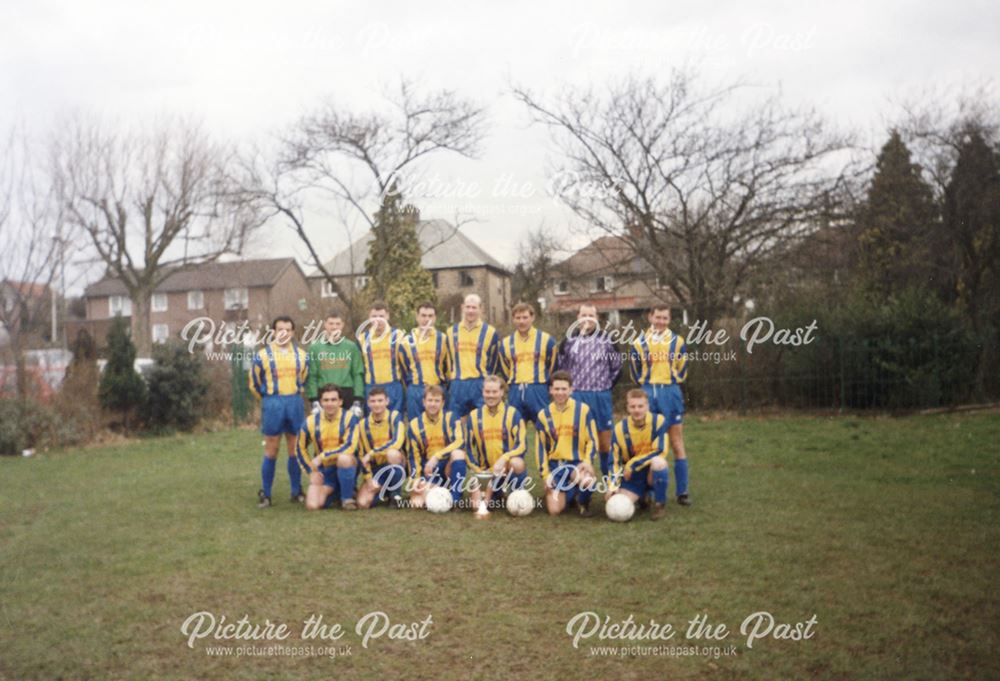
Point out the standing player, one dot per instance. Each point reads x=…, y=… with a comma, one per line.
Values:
x=658, y=360
x=640, y=454
x=332, y=435
x=277, y=375
x=425, y=357
x=595, y=366
x=497, y=440
x=527, y=356
x=380, y=348
x=336, y=360
x=565, y=445
x=382, y=435
x=435, y=446
x=472, y=345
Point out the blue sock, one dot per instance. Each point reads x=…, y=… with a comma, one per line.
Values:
x=605, y=463
x=393, y=481
x=661, y=480
x=457, y=482
x=267, y=475
x=681, y=473
x=519, y=479
x=346, y=478
x=583, y=496
x=295, y=476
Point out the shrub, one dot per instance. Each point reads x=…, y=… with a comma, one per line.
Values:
x=121, y=388
x=177, y=388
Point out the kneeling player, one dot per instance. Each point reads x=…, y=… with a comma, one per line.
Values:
x=382, y=436
x=639, y=454
x=332, y=434
x=566, y=440
x=435, y=447
x=497, y=441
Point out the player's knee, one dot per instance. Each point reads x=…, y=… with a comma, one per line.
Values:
x=394, y=457
x=658, y=464
x=517, y=465
x=345, y=461
x=458, y=455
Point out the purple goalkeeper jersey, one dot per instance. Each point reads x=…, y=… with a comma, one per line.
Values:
x=594, y=363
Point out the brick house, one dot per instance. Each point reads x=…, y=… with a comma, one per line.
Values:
x=226, y=292
x=457, y=265
x=607, y=273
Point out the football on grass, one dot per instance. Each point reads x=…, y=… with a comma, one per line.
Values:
x=439, y=500
x=520, y=503
x=619, y=508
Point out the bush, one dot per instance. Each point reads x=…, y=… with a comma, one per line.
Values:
x=177, y=388
x=121, y=388
x=29, y=424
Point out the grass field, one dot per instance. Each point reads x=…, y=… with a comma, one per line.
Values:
x=886, y=529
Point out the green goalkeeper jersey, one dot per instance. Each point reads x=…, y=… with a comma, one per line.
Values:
x=338, y=363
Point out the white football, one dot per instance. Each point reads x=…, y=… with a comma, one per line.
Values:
x=520, y=503
x=619, y=508
x=438, y=500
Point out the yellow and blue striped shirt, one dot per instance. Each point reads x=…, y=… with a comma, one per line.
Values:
x=277, y=371
x=378, y=437
x=380, y=353
x=658, y=359
x=473, y=351
x=635, y=446
x=495, y=436
x=326, y=437
x=433, y=437
x=565, y=435
x=426, y=361
x=530, y=359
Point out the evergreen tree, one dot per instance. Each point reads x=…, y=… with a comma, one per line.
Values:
x=393, y=266
x=121, y=388
x=896, y=226
x=177, y=388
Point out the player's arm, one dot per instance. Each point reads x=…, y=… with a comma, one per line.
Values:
x=457, y=439
x=257, y=376
x=614, y=360
x=357, y=366
x=349, y=446
x=492, y=355
x=312, y=378
x=444, y=361
x=504, y=364
x=634, y=363
x=519, y=434
x=590, y=445
x=617, y=449
x=551, y=355
x=543, y=443
x=680, y=364
x=304, y=370
x=302, y=448
x=415, y=450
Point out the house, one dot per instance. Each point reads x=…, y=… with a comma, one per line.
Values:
x=608, y=274
x=226, y=292
x=457, y=265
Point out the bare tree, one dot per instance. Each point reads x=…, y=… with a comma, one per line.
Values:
x=32, y=231
x=701, y=193
x=354, y=158
x=536, y=256
x=152, y=201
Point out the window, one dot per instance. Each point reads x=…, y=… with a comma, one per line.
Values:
x=562, y=287
x=360, y=282
x=160, y=333
x=196, y=300
x=661, y=281
x=159, y=302
x=119, y=305
x=465, y=279
x=236, y=298
x=603, y=284
x=434, y=279
x=326, y=290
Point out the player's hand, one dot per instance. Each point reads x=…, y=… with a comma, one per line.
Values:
x=550, y=483
x=627, y=474
x=315, y=478
x=315, y=405
x=431, y=465
x=498, y=467
x=356, y=409
x=317, y=462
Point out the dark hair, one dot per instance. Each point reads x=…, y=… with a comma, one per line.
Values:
x=426, y=305
x=329, y=387
x=378, y=391
x=283, y=318
x=333, y=314
x=378, y=305
x=522, y=307
x=560, y=376
x=659, y=306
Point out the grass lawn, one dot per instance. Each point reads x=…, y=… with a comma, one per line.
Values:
x=886, y=529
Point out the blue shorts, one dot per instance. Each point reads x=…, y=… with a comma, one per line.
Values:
x=440, y=475
x=562, y=473
x=380, y=475
x=599, y=402
x=639, y=484
x=281, y=414
x=394, y=391
x=666, y=400
x=330, y=477
x=464, y=396
x=529, y=399
x=415, y=400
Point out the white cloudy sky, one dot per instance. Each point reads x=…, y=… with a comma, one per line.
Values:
x=249, y=67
